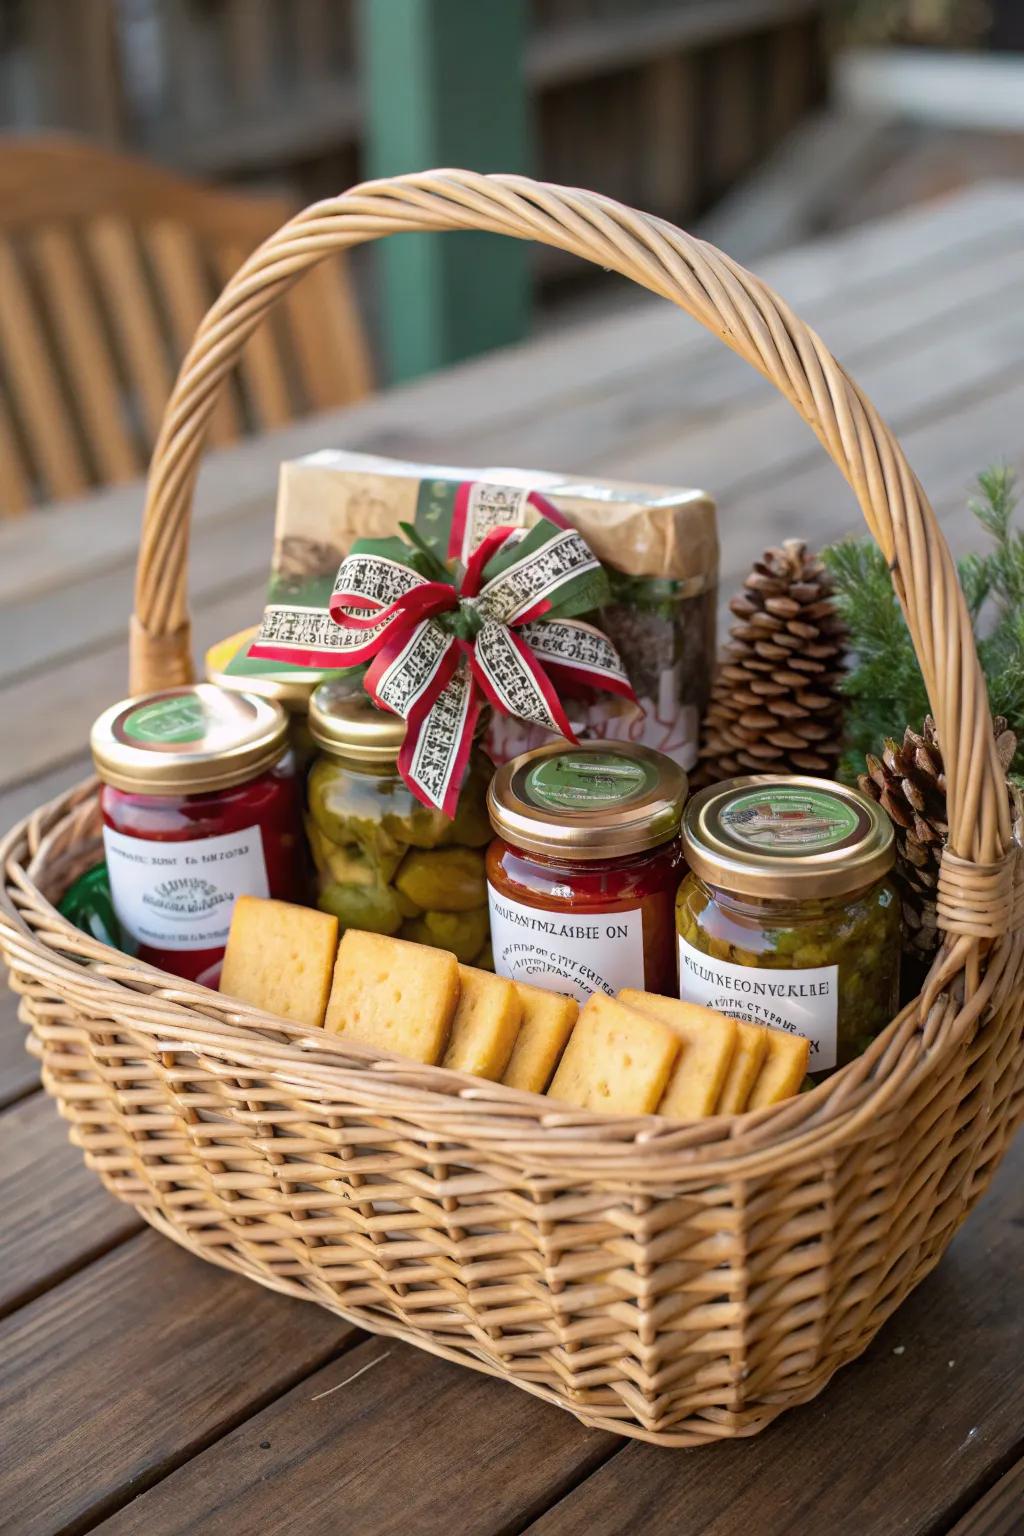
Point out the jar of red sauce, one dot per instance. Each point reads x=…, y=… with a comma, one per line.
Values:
x=582, y=874
x=200, y=804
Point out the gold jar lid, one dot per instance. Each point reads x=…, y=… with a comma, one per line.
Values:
x=187, y=740
x=787, y=836
x=344, y=721
x=599, y=799
x=292, y=687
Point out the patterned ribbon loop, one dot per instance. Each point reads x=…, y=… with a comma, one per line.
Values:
x=437, y=648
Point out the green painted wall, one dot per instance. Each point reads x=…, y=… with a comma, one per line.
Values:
x=444, y=87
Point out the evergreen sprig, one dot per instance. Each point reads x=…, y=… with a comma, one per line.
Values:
x=884, y=688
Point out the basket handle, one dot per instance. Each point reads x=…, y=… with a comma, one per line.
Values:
x=732, y=304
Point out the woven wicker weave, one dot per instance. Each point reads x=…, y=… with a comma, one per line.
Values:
x=676, y=1283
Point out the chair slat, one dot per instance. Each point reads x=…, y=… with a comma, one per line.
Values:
x=34, y=386
x=329, y=341
x=76, y=320
x=14, y=487
x=122, y=279
x=261, y=365
x=108, y=268
x=186, y=294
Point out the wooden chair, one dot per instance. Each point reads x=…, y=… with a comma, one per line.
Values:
x=107, y=264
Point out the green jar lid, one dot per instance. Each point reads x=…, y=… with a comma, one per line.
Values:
x=787, y=837
x=190, y=740
x=595, y=800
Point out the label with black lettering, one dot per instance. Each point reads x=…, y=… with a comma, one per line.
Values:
x=180, y=895
x=804, y=1002
x=565, y=952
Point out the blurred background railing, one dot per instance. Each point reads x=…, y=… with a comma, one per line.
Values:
x=151, y=143
x=258, y=89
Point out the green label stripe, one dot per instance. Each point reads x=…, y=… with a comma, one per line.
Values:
x=435, y=511
x=550, y=562
x=167, y=721
x=588, y=781
x=790, y=818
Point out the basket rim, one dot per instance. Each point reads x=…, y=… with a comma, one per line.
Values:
x=500, y=1124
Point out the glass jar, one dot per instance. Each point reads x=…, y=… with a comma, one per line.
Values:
x=787, y=916
x=229, y=665
x=200, y=805
x=582, y=875
x=384, y=861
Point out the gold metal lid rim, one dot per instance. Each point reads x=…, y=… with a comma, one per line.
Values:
x=816, y=873
x=589, y=835
x=241, y=740
x=230, y=779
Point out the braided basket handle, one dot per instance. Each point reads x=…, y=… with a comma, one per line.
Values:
x=734, y=306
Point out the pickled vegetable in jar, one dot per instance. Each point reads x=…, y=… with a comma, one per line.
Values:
x=787, y=916
x=200, y=805
x=384, y=861
x=583, y=873
x=229, y=666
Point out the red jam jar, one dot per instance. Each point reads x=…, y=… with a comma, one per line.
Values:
x=582, y=874
x=200, y=805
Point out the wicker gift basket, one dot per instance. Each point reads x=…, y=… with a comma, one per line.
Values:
x=678, y=1283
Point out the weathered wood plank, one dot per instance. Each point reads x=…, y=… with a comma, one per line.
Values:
x=815, y=503
x=76, y=691
x=130, y=1368
x=659, y=399
x=650, y=424
x=18, y=1071
x=411, y=1445
x=932, y=1409
x=999, y=1512
x=764, y=440
x=940, y=381
x=668, y=399
x=230, y=552
x=41, y=555
x=55, y=1215
x=21, y=800
x=597, y=44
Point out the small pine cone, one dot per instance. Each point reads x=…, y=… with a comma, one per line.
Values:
x=775, y=705
x=909, y=783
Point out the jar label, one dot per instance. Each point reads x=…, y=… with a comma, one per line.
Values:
x=562, y=952
x=792, y=819
x=179, y=896
x=804, y=1002
x=178, y=719
x=588, y=781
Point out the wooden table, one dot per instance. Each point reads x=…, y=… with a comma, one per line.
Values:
x=142, y=1391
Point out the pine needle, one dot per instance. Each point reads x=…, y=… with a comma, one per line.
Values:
x=884, y=688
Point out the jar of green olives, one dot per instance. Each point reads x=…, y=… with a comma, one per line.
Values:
x=787, y=916
x=385, y=862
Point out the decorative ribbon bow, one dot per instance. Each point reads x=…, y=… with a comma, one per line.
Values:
x=437, y=648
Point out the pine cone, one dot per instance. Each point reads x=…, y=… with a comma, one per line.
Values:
x=775, y=705
x=909, y=783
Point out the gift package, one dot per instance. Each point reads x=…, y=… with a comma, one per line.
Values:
x=658, y=546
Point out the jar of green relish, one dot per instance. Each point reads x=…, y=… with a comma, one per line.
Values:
x=787, y=916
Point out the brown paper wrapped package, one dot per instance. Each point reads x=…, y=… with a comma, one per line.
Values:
x=643, y=534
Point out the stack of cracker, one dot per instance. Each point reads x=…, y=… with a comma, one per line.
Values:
x=640, y=1054
x=410, y=999
x=635, y=1054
